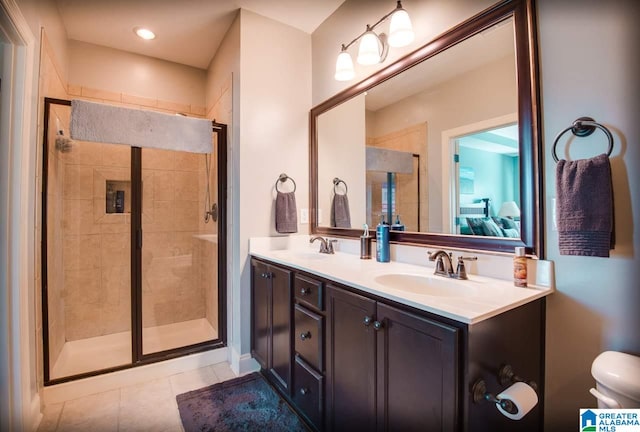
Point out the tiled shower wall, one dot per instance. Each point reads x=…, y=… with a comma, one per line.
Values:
x=55, y=206
x=177, y=264
x=96, y=252
x=171, y=287
x=412, y=139
x=52, y=85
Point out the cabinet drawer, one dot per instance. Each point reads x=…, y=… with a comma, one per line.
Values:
x=309, y=336
x=309, y=292
x=307, y=392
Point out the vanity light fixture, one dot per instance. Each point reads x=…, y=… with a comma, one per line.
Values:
x=373, y=47
x=144, y=33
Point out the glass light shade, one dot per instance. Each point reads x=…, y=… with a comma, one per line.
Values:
x=344, y=67
x=509, y=209
x=369, y=49
x=400, y=29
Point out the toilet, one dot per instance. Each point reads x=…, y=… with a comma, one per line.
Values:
x=617, y=380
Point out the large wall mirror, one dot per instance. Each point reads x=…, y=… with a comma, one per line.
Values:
x=442, y=145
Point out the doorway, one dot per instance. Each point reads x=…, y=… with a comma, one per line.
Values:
x=133, y=251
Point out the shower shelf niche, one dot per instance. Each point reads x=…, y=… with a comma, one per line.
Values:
x=118, y=196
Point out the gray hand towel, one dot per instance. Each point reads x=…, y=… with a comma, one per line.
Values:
x=286, y=213
x=584, y=207
x=340, y=215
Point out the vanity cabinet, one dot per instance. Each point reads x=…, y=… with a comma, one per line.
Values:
x=271, y=288
x=346, y=359
x=388, y=369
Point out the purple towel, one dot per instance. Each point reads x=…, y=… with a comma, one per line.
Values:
x=286, y=213
x=584, y=207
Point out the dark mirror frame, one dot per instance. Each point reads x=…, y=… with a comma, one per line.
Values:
x=531, y=204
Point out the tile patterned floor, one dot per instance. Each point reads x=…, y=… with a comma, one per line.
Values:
x=148, y=407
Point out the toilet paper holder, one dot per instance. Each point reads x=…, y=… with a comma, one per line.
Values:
x=480, y=393
x=506, y=377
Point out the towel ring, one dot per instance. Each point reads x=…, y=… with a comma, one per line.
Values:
x=336, y=182
x=582, y=127
x=283, y=178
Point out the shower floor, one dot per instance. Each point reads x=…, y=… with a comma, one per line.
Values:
x=91, y=354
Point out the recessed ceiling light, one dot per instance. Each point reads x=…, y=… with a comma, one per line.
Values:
x=144, y=33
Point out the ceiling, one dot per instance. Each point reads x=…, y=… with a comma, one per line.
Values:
x=187, y=31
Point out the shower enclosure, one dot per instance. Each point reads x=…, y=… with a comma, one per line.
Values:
x=133, y=251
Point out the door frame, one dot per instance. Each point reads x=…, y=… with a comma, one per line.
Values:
x=19, y=404
x=137, y=356
x=449, y=142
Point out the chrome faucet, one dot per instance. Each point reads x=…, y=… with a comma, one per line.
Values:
x=326, y=245
x=444, y=265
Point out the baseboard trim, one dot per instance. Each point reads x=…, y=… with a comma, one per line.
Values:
x=35, y=416
x=101, y=383
x=242, y=364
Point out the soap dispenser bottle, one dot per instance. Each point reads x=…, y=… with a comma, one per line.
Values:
x=382, y=241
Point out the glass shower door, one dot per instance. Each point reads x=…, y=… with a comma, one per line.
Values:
x=86, y=251
x=179, y=289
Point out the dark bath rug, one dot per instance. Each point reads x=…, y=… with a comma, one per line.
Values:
x=246, y=403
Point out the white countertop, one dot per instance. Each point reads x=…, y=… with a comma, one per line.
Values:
x=489, y=296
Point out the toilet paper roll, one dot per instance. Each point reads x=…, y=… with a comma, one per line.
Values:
x=522, y=398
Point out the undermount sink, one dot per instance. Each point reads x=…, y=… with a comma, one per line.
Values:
x=307, y=255
x=436, y=286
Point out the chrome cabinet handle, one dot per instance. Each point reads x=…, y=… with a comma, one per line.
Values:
x=306, y=335
x=377, y=325
x=304, y=391
x=367, y=321
x=305, y=291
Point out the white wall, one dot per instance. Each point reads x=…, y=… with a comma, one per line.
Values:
x=225, y=65
x=275, y=98
x=44, y=14
x=109, y=69
x=589, y=66
x=341, y=153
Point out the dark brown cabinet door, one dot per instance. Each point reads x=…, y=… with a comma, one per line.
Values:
x=271, y=290
x=416, y=375
x=260, y=312
x=351, y=355
x=281, y=326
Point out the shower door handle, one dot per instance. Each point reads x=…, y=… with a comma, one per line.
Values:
x=214, y=212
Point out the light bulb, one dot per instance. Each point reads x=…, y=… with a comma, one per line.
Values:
x=144, y=33
x=400, y=29
x=344, y=67
x=369, y=49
